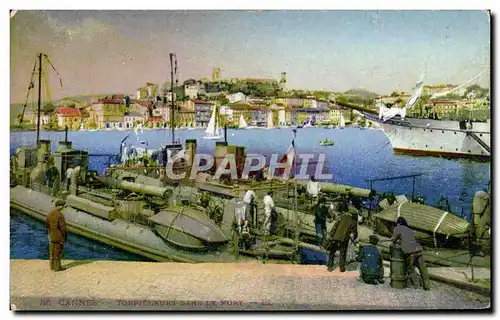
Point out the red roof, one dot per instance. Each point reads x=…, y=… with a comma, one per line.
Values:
x=144, y=103
x=155, y=119
x=68, y=112
x=200, y=101
x=443, y=101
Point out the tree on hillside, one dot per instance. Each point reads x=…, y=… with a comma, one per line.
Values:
x=91, y=124
x=189, y=82
x=48, y=107
x=165, y=88
x=420, y=105
x=53, y=125
x=476, y=91
x=321, y=95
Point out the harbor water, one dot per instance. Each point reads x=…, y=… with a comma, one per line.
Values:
x=357, y=155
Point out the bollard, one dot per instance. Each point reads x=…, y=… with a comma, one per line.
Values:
x=398, y=268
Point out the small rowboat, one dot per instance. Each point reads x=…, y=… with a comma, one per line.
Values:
x=326, y=142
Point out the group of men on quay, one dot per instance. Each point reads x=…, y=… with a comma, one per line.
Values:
x=343, y=236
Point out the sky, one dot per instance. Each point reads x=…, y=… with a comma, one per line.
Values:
x=119, y=51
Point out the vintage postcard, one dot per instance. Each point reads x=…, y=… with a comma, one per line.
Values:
x=250, y=160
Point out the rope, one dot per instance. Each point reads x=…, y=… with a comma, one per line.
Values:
x=60, y=78
x=31, y=86
x=454, y=89
x=437, y=227
x=399, y=208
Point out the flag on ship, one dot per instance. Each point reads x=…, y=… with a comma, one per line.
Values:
x=288, y=158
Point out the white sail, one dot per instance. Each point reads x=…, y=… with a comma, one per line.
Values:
x=213, y=131
x=211, y=128
x=342, y=120
x=270, y=119
x=243, y=123
x=282, y=117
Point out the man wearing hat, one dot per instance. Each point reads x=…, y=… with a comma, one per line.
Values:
x=413, y=251
x=372, y=270
x=56, y=227
x=339, y=236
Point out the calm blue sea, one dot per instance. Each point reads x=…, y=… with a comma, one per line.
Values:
x=357, y=155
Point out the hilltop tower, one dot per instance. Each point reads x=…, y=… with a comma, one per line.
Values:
x=216, y=74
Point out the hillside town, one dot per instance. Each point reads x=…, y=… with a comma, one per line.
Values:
x=260, y=102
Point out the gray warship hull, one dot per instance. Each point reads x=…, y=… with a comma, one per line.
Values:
x=442, y=138
x=122, y=234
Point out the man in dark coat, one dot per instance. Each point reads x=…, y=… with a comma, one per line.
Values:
x=56, y=227
x=321, y=213
x=372, y=270
x=339, y=237
x=412, y=250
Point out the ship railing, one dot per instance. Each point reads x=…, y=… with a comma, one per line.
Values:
x=414, y=176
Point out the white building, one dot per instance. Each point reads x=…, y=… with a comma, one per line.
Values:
x=226, y=111
x=161, y=111
x=32, y=117
x=193, y=90
x=130, y=119
x=169, y=96
x=236, y=97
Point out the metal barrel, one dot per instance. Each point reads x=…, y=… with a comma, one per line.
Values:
x=145, y=189
x=343, y=189
x=398, y=268
x=161, y=192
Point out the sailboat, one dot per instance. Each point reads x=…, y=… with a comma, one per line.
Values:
x=308, y=124
x=242, y=124
x=270, y=124
x=213, y=131
x=342, y=121
x=81, y=127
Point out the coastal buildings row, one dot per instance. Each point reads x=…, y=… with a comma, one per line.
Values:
x=148, y=108
x=115, y=113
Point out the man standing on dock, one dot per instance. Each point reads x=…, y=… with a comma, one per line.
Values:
x=321, y=213
x=339, y=236
x=412, y=250
x=249, y=200
x=268, y=208
x=68, y=175
x=56, y=227
x=313, y=189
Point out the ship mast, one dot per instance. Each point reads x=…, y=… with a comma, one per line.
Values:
x=39, y=98
x=172, y=108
